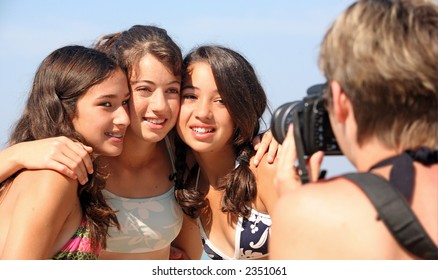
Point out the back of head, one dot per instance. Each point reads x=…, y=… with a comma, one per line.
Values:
x=63, y=76
x=128, y=47
x=384, y=53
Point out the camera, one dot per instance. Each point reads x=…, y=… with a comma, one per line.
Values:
x=312, y=129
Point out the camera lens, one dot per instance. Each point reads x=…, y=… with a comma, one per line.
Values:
x=282, y=117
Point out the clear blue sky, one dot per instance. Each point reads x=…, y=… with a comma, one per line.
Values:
x=280, y=38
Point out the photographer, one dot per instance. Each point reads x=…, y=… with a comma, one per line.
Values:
x=380, y=60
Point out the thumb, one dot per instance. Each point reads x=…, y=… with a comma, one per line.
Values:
x=87, y=148
x=315, y=162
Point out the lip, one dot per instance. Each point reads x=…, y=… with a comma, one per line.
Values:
x=116, y=136
x=202, y=131
x=155, y=123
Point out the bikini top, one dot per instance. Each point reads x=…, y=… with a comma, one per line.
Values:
x=146, y=224
x=250, y=241
x=78, y=247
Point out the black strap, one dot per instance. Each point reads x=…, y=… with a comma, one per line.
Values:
x=396, y=214
x=402, y=173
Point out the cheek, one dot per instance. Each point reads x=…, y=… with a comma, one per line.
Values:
x=175, y=107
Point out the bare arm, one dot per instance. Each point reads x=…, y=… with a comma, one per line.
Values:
x=59, y=154
x=44, y=202
x=189, y=239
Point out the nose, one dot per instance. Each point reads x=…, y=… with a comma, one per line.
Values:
x=158, y=101
x=122, y=116
x=203, y=110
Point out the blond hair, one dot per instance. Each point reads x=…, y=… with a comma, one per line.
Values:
x=385, y=56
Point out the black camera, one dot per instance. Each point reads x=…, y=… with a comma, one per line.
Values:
x=312, y=129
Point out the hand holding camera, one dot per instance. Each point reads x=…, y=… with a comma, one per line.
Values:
x=311, y=134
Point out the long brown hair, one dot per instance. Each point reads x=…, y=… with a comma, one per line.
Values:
x=64, y=76
x=246, y=102
x=129, y=46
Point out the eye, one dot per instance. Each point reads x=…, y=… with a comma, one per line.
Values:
x=105, y=104
x=125, y=102
x=219, y=101
x=173, y=91
x=143, y=90
x=189, y=96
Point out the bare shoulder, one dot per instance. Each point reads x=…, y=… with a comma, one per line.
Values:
x=48, y=182
x=326, y=201
x=332, y=219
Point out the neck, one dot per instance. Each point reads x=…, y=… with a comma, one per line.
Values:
x=137, y=152
x=370, y=153
x=215, y=165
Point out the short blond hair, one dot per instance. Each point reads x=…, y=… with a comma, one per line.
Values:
x=385, y=56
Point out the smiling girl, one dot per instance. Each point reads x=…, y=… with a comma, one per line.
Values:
x=81, y=94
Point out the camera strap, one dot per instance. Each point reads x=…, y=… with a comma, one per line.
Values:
x=302, y=168
x=396, y=213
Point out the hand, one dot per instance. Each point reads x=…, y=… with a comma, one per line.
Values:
x=267, y=145
x=286, y=175
x=177, y=254
x=60, y=154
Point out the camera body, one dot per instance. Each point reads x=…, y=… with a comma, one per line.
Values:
x=314, y=129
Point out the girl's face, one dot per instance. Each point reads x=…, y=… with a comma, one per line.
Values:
x=102, y=114
x=155, y=101
x=204, y=123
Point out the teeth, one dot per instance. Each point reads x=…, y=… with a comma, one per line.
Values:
x=202, y=130
x=116, y=135
x=156, y=121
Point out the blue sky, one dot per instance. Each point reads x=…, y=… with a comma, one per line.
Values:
x=280, y=38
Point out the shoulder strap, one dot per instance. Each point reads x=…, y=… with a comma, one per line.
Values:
x=396, y=214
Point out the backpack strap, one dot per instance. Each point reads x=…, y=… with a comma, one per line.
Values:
x=396, y=214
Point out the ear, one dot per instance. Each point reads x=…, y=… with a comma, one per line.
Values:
x=340, y=102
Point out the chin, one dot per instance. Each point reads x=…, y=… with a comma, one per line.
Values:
x=109, y=152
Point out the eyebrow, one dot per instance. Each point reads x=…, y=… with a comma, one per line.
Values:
x=188, y=87
x=151, y=82
x=112, y=96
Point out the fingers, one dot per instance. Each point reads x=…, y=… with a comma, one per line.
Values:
x=273, y=150
x=178, y=254
x=67, y=157
x=266, y=145
x=83, y=152
x=286, y=177
x=314, y=165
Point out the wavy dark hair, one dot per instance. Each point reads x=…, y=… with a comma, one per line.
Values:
x=61, y=79
x=246, y=102
x=129, y=46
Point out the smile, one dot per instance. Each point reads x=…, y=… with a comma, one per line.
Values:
x=155, y=121
x=113, y=134
x=202, y=129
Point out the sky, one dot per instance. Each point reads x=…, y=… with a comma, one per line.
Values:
x=280, y=38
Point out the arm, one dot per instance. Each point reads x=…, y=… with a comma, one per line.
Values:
x=60, y=154
x=189, y=239
x=44, y=202
x=266, y=194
